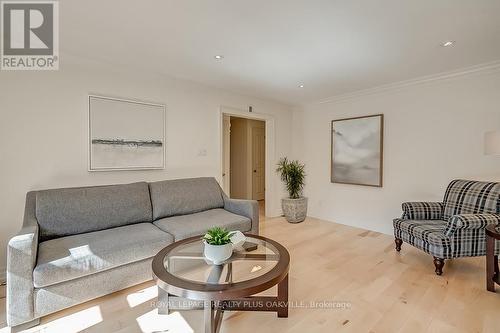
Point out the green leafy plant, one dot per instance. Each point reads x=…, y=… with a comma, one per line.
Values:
x=293, y=175
x=218, y=236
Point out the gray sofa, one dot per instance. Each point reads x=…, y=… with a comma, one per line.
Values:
x=77, y=244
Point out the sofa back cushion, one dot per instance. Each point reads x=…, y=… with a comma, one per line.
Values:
x=471, y=197
x=184, y=196
x=70, y=211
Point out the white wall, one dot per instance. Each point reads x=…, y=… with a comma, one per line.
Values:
x=43, y=131
x=433, y=133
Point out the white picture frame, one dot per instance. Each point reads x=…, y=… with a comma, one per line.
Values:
x=115, y=140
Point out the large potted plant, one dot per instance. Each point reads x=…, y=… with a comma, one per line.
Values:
x=293, y=175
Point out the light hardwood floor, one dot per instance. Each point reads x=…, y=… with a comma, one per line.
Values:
x=382, y=291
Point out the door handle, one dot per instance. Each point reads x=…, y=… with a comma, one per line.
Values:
x=255, y=171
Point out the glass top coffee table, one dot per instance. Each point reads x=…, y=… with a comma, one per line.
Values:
x=181, y=270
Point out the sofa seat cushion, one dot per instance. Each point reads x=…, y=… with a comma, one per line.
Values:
x=67, y=258
x=184, y=226
x=429, y=231
x=426, y=235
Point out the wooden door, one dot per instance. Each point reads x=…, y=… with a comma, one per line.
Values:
x=226, y=147
x=258, y=162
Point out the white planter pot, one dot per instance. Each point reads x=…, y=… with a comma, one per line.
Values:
x=218, y=253
x=295, y=210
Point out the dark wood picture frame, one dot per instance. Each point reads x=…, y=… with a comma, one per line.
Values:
x=381, y=167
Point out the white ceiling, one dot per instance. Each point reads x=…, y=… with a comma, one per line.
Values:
x=271, y=46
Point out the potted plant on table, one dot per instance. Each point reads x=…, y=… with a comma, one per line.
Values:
x=292, y=173
x=218, y=246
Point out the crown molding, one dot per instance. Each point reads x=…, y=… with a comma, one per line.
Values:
x=489, y=67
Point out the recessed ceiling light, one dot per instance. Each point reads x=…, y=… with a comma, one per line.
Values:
x=218, y=57
x=448, y=43
x=301, y=86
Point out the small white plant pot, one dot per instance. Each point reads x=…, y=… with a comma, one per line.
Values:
x=218, y=253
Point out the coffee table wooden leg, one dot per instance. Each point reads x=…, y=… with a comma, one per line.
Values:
x=219, y=313
x=163, y=300
x=491, y=266
x=209, y=317
x=283, y=298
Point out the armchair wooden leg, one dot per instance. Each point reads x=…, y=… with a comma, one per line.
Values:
x=439, y=264
x=398, y=242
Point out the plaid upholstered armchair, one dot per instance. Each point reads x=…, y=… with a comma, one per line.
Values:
x=453, y=228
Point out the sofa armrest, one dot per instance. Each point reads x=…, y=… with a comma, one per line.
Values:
x=470, y=221
x=21, y=259
x=422, y=210
x=247, y=208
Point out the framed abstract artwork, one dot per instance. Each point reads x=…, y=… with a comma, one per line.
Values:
x=357, y=150
x=125, y=134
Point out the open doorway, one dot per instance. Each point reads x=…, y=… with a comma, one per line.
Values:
x=244, y=158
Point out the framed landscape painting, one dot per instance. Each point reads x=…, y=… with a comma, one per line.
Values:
x=357, y=150
x=125, y=134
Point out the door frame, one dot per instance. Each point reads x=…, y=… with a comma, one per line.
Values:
x=272, y=201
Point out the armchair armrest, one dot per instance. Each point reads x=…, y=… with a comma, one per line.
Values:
x=470, y=221
x=21, y=259
x=422, y=210
x=247, y=208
